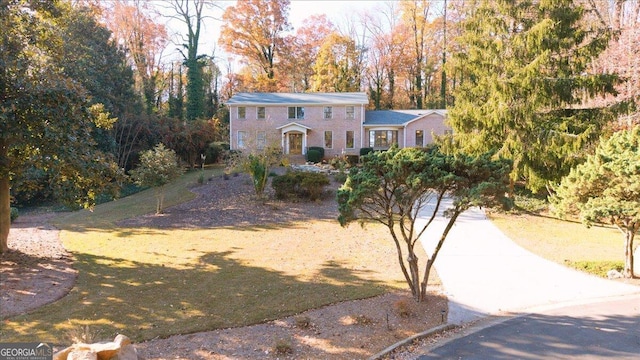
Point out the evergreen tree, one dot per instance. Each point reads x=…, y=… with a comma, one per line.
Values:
x=525, y=78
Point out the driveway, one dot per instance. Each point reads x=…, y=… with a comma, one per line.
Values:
x=485, y=273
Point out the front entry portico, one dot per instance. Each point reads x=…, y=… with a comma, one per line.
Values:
x=294, y=138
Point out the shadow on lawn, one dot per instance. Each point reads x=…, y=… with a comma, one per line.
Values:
x=146, y=301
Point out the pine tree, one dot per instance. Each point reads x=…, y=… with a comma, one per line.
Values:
x=524, y=80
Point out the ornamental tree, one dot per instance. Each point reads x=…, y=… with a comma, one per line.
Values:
x=394, y=186
x=606, y=189
x=157, y=168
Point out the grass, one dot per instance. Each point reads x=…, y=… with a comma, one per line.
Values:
x=595, y=249
x=149, y=283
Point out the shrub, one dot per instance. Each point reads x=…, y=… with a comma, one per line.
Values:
x=402, y=308
x=318, y=149
x=215, y=151
x=14, y=213
x=340, y=177
x=352, y=159
x=283, y=347
x=303, y=322
x=365, y=151
x=314, y=156
x=599, y=268
x=313, y=184
x=300, y=184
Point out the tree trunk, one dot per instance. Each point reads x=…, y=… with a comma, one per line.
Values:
x=5, y=213
x=628, y=252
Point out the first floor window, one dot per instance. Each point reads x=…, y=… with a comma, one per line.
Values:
x=261, y=140
x=242, y=112
x=261, y=112
x=419, y=138
x=328, y=139
x=383, y=138
x=349, y=142
x=242, y=138
x=448, y=132
x=296, y=112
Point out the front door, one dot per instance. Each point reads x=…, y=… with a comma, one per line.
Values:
x=295, y=143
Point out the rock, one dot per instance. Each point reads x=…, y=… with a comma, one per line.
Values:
x=82, y=355
x=118, y=349
x=614, y=274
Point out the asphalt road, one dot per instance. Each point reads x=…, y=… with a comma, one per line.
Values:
x=602, y=330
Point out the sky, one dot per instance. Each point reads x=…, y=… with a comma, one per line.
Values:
x=336, y=10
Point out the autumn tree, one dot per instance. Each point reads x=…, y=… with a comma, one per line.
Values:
x=46, y=120
x=337, y=66
x=396, y=186
x=606, y=189
x=526, y=77
x=297, y=61
x=143, y=40
x=254, y=31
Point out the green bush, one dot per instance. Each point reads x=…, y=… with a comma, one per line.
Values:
x=318, y=149
x=365, y=151
x=352, y=159
x=215, y=151
x=340, y=177
x=314, y=156
x=300, y=184
x=14, y=213
x=598, y=268
x=313, y=184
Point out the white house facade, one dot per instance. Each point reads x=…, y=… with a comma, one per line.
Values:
x=337, y=122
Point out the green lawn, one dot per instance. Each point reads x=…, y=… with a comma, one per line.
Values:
x=148, y=283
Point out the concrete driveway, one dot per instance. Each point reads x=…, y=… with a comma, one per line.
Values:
x=485, y=273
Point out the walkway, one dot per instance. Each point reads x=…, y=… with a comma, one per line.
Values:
x=485, y=273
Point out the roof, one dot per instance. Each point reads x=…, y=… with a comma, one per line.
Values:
x=347, y=98
x=397, y=117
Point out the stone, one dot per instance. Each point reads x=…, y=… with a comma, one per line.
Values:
x=82, y=355
x=118, y=349
x=614, y=274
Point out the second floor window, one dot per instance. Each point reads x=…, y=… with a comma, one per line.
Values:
x=328, y=112
x=242, y=112
x=296, y=112
x=351, y=112
x=261, y=113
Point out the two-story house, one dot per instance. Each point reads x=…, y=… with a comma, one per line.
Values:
x=338, y=122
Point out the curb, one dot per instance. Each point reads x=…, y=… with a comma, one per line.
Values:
x=408, y=340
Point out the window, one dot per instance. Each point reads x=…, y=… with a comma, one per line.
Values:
x=349, y=143
x=351, y=112
x=261, y=139
x=242, y=137
x=328, y=112
x=261, y=112
x=448, y=132
x=328, y=139
x=296, y=112
x=419, y=138
x=383, y=138
x=242, y=112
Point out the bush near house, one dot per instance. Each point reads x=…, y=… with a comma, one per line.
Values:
x=365, y=151
x=314, y=156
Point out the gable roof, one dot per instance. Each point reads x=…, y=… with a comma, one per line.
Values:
x=397, y=117
x=347, y=98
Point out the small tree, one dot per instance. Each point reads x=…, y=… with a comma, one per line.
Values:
x=394, y=186
x=157, y=168
x=606, y=189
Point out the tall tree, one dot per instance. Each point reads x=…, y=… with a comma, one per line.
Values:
x=301, y=52
x=254, y=30
x=606, y=189
x=191, y=13
x=392, y=187
x=337, y=66
x=526, y=75
x=143, y=40
x=45, y=118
